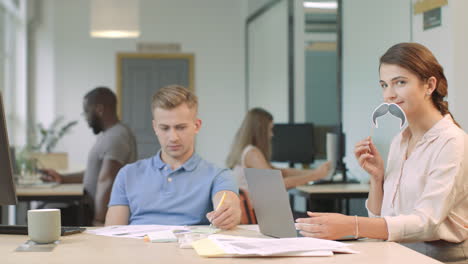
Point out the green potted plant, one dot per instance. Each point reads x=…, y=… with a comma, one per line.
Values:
x=49, y=137
x=25, y=162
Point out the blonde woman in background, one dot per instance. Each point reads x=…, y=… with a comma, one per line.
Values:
x=252, y=149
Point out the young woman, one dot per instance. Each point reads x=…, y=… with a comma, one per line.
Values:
x=422, y=195
x=252, y=149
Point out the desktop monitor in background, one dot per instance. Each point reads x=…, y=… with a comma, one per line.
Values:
x=7, y=186
x=293, y=143
x=320, y=140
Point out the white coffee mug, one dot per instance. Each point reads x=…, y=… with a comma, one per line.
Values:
x=44, y=225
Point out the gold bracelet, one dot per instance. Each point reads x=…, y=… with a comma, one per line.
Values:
x=356, y=235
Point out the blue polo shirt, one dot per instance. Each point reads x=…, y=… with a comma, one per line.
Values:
x=158, y=195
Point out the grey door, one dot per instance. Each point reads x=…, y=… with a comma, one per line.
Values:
x=141, y=76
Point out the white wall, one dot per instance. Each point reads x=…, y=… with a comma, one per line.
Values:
x=457, y=85
x=443, y=50
x=211, y=29
x=43, y=76
x=448, y=42
x=268, y=62
x=254, y=5
x=369, y=28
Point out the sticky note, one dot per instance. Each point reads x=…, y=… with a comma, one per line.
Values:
x=161, y=237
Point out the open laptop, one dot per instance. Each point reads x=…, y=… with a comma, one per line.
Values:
x=271, y=202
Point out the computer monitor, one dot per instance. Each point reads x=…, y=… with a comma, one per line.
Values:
x=7, y=185
x=293, y=143
x=320, y=140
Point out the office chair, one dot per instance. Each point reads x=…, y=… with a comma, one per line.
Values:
x=248, y=214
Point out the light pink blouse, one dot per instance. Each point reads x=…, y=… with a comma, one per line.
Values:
x=426, y=196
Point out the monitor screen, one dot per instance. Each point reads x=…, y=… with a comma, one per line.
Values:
x=7, y=186
x=320, y=140
x=293, y=143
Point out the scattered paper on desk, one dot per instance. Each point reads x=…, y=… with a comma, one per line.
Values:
x=193, y=234
x=315, y=253
x=204, y=230
x=234, y=246
x=161, y=237
x=255, y=228
x=133, y=231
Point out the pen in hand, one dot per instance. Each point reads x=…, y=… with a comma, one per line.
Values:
x=217, y=207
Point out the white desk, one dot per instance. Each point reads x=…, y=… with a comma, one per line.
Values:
x=333, y=191
x=39, y=193
x=341, y=190
x=87, y=248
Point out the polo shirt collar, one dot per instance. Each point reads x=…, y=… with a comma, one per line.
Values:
x=157, y=161
x=189, y=165
x=192, y=163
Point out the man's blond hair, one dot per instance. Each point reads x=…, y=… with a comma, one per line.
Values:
x=172, y=96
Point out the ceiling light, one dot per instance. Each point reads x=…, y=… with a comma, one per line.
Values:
x=115, y=19
x=321, y=5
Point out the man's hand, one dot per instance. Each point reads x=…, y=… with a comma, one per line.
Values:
x=50, y=175
x=228, y=215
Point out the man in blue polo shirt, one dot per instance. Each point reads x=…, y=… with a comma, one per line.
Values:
x=176, y=186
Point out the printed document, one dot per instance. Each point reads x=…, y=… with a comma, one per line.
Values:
x=223, y=245
x=133, y=231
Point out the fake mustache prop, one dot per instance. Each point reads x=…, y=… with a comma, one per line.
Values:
x=394, y=110
x=383, y=109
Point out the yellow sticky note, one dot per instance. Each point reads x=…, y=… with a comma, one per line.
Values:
x=207, y=248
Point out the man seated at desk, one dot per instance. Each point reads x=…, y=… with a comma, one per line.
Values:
x=115, y=146
x=176, y=186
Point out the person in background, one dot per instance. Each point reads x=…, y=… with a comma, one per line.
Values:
x=115, y=147
x=252, y=149
x=175, y=186
x=421, y=197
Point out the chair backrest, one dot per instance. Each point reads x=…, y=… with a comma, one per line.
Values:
x=248, y=213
